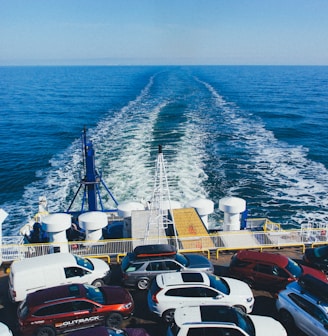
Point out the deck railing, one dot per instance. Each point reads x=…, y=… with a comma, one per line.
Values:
x=212, y=245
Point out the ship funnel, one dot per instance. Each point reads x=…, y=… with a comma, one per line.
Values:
x=232, y=208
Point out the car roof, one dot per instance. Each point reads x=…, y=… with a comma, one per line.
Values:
x=154, y=250
x=55, y=294
x=47, y=259
x=272, y=258
x=314, y=286
x=202, y=314
x=182, y=278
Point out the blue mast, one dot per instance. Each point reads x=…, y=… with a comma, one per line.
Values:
x=91, y=181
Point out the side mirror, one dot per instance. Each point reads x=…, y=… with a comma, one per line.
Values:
x=219, y=296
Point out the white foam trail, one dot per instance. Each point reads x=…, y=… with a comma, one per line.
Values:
x=286, y=172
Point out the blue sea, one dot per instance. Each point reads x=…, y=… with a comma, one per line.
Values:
x=259, y=133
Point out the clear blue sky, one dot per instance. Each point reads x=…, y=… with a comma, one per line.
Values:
x=164, y=32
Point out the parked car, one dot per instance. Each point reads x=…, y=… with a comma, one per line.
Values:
x=105, y=331
x=31, y=274
x=269, y=271
x=70, y=307
x=147, y=261
x=4, y=330
x=317, y=257
x=222, y=320
x=169, y=291
x=304, y=304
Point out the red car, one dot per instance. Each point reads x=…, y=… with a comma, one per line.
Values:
x=61, y=309
x=269, y=271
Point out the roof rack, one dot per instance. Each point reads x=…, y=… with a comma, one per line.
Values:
x=314, y=286
x=155, y=250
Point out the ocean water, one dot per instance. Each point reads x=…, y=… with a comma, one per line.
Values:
x=259, y=133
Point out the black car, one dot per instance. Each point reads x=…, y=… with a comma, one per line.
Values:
x=317, y=257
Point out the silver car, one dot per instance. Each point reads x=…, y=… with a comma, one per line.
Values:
x=147, y=261
x=304, y=304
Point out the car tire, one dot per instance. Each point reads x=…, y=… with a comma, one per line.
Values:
x=168, y=315
x=286, y=319
x=97, y=283
x=114, y=320
x=46, y=331
x=143, y=284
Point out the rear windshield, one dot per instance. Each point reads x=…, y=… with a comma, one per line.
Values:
x=84, y=262
x=23, y=310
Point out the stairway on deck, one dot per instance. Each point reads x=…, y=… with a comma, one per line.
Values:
x=188, y=224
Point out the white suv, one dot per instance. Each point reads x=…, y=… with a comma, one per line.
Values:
x=304, y=304
x=222, y=321
x=4, y=330
x=171, y=290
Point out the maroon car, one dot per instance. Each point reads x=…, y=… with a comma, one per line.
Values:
x=62, y=309
x=104, y=331
x=269, y=271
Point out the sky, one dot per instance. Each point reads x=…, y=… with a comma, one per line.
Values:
x=163, y=32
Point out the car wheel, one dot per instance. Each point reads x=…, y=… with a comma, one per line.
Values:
x=143, y=284
x=114, y=320
x=168, y=316
x=46, y=331
x=98, y=283
x=286, y=319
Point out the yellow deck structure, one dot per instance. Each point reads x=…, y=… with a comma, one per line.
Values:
x=189, y=224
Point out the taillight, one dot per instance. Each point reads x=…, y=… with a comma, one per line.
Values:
x=154, y=297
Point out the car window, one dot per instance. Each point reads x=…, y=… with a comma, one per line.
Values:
x=184, y=292
x=172, y=265
x=82, y=305
x=213, y=331
x=206, y=292
x=235, y=262
x=60, y=308
x=132, y=267
x=262, y=268
x=156, y=266
x=71, y=272
x=310, y=308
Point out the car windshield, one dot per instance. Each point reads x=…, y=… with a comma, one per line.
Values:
x=245, y=323
x=320, y=252
x=84, y=262
x=94, y=294
x=181, y=259
x=294, y=268
x=219, y=284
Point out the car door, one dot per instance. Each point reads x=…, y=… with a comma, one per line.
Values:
x=270, y=277
x=309, y=317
